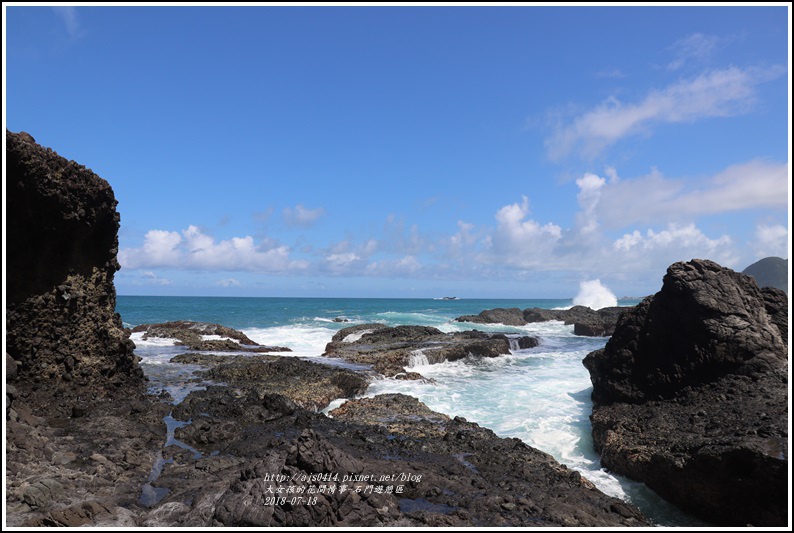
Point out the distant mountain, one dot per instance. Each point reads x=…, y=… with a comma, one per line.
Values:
x=769, y=272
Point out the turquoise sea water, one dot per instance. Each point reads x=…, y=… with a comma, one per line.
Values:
x=540, y=395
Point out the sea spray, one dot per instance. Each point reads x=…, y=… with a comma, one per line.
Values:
x=594, y=295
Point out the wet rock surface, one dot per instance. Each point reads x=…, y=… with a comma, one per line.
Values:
x=586, y=321
x=311, y=385
x=399, y=463
x=690, y=395
x=191, y=335
x=391, y=350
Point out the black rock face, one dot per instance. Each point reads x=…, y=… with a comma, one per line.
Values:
x=690, y=395
x=706, y=322
x=62, y=329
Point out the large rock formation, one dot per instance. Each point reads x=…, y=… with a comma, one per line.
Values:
x=587, y=322
x=63, y=333
x=690, y=395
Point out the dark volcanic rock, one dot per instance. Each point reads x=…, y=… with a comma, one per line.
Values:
x=508, y=317
x=62, y=329
x=191, y=334
x=586, y=321
x=706, y=322
x=312, y=386
x=690, y=395
x=383, y=461
x=391, y=349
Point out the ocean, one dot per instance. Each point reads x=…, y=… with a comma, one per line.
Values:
x=540, y=395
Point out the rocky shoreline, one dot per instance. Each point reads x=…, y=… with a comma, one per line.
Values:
x=87, y=447
x=690, y=396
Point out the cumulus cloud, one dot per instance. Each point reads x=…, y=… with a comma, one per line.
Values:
x=771, y=241
x=589, y=196
x=193, y=249
x=345, y=257
x=301, y=216
x=228, y=282
x=676, y=243
x=716, y=93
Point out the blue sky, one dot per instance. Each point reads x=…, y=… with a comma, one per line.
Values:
x=416, y=151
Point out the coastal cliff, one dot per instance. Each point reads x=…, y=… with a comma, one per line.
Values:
x=64, y=338
x=690, y=395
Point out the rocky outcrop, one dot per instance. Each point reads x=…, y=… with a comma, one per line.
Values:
x=690, y=395
x=192, y=335
x=310, y=385
x=63, y=333
x=586, y=321
x=383, y=461
x=391, y=350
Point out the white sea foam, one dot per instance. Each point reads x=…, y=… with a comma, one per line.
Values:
x=303, y=340
x=353, y=337
x=594, y=295
x=137, y=338
x=418, y=358
x=218, y=338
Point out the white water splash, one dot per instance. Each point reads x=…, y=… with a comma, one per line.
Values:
x=594, y=295
x=418, y=358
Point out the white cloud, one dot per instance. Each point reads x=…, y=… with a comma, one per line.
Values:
x=521, y=241
x=342, y=261
x=228, y=282
x=771, y=241
x=676, y=243
x=589, y=195
x=654, y=198
x=301, y=216
x=68, y=14
x=195, y=250
x=717, y=93
x=150, y=278
x=405, y=266
x=694, y=47
x=465, y=238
